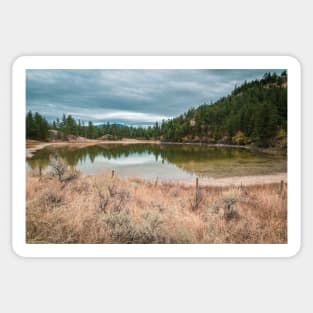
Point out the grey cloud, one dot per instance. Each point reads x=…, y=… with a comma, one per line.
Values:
x=134, y=95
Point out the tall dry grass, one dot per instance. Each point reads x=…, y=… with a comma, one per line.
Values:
x=106, y=209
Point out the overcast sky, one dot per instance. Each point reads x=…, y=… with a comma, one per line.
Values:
x=134, y=97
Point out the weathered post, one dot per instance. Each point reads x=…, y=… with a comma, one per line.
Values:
x=197, y=191
x=281, y=186
x=156, y=182
x=112, y=173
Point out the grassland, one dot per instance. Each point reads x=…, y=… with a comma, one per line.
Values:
x=72, y=208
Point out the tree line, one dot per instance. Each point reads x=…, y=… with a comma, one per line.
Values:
x=37, y=127
x=254, y=113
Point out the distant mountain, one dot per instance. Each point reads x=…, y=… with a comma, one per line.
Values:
x=121, y=125
x=113, y=124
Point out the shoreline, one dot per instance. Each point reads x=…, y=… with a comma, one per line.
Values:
x=232, y=181
x=32, y=146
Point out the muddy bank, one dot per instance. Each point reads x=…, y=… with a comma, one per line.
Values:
x=236, y=180
x=33, y=146
x=232, y=181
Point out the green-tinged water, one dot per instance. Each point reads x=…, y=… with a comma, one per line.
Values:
x=165, y=161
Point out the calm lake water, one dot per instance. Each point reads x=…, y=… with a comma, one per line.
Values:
x=165, y=161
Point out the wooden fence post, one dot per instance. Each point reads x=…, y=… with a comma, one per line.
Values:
x=112, y=173
x=197, y=189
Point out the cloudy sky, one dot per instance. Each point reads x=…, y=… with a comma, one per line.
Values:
x=133, y=97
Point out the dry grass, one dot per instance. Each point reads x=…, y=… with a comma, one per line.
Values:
x=102, y=209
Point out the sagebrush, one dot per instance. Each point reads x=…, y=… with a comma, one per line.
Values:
x=106, y=209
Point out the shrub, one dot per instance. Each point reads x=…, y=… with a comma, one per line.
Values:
x=240, y=138
x=59, y=167
x=51, y=199
x=226, y=203
x=281, y=138
x=123, y=228
x=229, y=209
x=104, y=197
x=181, y=235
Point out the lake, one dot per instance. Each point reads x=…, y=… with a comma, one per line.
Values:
x=165, y=161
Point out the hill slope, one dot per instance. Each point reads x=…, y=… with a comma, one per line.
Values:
x=255, y=112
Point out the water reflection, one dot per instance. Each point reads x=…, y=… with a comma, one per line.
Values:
x=164, y=161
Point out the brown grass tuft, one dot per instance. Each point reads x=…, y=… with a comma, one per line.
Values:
x=106, y=209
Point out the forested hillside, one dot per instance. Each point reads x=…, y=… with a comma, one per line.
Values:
x=254, y=113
